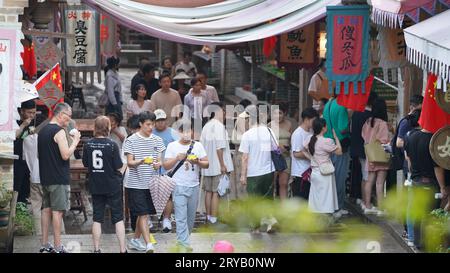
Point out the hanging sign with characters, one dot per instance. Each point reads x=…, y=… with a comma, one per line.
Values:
x=9, y=74
x=298, y=48
x=82, y=52
x=347, y=46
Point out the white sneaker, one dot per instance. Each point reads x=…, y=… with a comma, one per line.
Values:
x=167, y=225
x=337, y=215
x=372, y=210
x=343, y=211
x=381, y=213
x=150, y=248
x=410, y=243
x=136, y=244
x=363, y=207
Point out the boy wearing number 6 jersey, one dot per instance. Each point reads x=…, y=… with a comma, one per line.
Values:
x=101, y=156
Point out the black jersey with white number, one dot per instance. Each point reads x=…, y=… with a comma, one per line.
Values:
x=102, y=158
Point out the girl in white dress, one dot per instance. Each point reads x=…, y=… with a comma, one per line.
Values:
x=322, y=195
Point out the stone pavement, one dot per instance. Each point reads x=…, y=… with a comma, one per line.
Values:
x=339, y=238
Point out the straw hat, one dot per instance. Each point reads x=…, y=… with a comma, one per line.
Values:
x=181, y=76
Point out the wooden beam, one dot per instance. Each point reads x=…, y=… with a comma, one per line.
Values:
x=48, y=34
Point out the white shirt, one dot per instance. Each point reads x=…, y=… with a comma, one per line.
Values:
x=119, y=143
x=30, y=156
x=299, y=165
x=212, y=93
x=186, y=175
x=141, y=147
x=257, y=143
x=214, y=137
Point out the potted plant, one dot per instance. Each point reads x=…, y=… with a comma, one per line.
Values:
x=5, y=199
x=23, y=221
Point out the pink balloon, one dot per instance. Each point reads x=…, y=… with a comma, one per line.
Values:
x=223, y=247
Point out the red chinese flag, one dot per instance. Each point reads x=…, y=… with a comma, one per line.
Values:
x=269, y=45
x=432, y=117
x=29, y=61
x=49, y=87
x=356, y=102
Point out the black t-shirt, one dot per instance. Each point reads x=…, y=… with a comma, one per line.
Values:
x=357, y=142
x=18, y=142
x=102, y=158
x=53, y=170
x=417, y=148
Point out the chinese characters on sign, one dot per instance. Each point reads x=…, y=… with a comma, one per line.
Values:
x=348, y=41
x=48, y=55
x=299, y=47
x=347, y=60
x=82, y=51
x=108, y=36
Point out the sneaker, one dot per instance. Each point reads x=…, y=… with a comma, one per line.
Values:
x=372, y=210
x=61, y=249
x=183, y=249
x=150, y=248
x=410, y=243
x=136, y=244
x=337, y=215
x=363, y=207
x=98, y=251
x=381, y=213
x=47, y=248
x=167, y=225
x=343, y=211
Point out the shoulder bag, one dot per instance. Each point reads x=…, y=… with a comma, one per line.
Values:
x=277, y=158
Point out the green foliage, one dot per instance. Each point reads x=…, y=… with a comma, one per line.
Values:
x=316, y=232
x=23, y=220
x=438, y=231
x=5, y=196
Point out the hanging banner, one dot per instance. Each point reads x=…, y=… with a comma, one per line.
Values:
x=109, y=38
x=48, y=55
x=347, y=46
x=49, y=87
x=83, y=51
x=392, y=48
x=8, y=64
x=298, y=48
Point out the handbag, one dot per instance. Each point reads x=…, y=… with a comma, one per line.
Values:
x=277, y=158
x=397, y=156
x=326, y=168
x=375, y=152
x=103, y=100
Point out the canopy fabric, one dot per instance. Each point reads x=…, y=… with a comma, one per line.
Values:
x=428, y=45
x=223, y=23
x=391, y=13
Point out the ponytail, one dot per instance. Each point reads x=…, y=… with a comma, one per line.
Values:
x=318, y=125
x=311, y=144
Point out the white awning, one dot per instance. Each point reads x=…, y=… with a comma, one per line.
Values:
x=428, y=44
x=227, y=22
